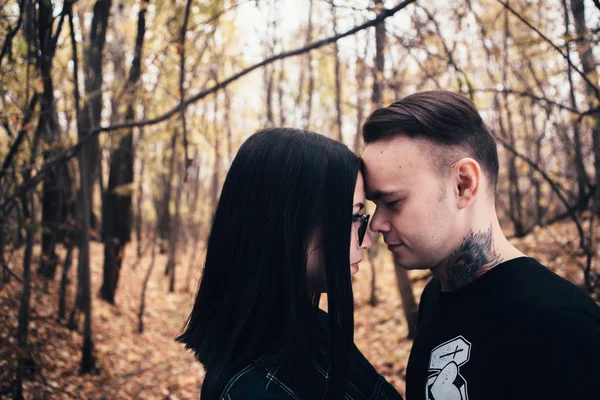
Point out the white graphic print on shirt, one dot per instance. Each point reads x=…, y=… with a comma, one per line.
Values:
x=444, y=381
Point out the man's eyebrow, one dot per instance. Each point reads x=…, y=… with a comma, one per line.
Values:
x=379, y=194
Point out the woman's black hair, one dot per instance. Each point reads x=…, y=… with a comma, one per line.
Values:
x=283, y=185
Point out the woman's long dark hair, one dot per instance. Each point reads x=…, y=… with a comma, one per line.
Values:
x=283, y=185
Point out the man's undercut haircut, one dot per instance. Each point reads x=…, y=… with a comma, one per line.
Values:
x=448, y=124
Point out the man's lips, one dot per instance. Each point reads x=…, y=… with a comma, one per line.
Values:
x=393, y=246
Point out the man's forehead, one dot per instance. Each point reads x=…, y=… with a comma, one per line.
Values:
x=395, y=149
x=390, y=165
x=381, y=146
x=384, y=161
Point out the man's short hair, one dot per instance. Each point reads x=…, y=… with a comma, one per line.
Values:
x=448, y=121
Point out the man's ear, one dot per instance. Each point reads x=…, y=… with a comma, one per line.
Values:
x=467, y=175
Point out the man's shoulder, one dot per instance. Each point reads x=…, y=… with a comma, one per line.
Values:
x=519, y=288
x=536, y=299
x=539, y=288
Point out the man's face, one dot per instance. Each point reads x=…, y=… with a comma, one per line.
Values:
x=416, y=204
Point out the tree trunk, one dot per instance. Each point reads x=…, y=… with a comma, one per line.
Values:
x=64, y=281
x=537, y=156
x=117, y=210
x=83, y=300
x=175, y=231
x=145, y=286
x=582, y=177
x=411, y=311
x=515, y=201
x=514, y=208
x=268, y=82
x=303, y=66
x=311, y=78
x=229, y=135
x=268, y=70
x=84, y=275
x=92, y=105
x=196, y=226
x=361, y=76
x=214, y=190
x=280, y=95
x=188, y=5
x=85, y=284
x=377, y=102
x=169, y=186
x=25, y=362
x=139, y=197
x=338, y=80
x=162, y=206
x=5, y=271
x=514, y=204
x=515, y=197
x=589, y=69
x=380, y=40
x=55, y=184
x=20, y=223
x=117, y=213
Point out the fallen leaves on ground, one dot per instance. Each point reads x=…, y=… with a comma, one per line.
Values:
x=152, y=365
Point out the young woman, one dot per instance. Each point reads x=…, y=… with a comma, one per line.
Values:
x=289, y=225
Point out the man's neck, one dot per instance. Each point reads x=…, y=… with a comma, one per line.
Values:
x=476, y=255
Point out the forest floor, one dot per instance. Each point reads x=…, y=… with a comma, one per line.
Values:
x=153, y=366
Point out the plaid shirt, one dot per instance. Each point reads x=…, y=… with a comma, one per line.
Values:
x=257, y=381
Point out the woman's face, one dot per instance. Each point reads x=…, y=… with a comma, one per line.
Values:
x=317, y=281
x=358, y=209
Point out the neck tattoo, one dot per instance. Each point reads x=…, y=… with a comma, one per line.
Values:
x=472, y=259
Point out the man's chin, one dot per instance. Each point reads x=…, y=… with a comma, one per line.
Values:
x=409, y=265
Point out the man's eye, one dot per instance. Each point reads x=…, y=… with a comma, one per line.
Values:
x=392, y=203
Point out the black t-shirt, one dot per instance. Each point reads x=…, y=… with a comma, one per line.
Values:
x=518, y=332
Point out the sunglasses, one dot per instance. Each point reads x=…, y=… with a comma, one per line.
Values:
x=364, y=223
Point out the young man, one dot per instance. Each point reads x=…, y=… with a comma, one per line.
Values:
x=493, y=323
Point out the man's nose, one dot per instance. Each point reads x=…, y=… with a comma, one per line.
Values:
x=379, y=223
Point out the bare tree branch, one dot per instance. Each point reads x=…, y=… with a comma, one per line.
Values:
x=72, y=151
x=450, y=53
x=219, y=85
x=66, y=9
x=538, y=99
x=20, y=136
x=591, y=33
x=12, y=32
x=181, y=81
x=348, y=7
x=554, y=46
x=12, y=273
x=555, y=188
x=219, y=14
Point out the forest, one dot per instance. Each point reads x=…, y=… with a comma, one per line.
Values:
x=120, y=120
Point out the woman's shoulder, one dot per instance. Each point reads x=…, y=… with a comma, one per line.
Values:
x=364, y=382
x=257, y=382
x=261, y=381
